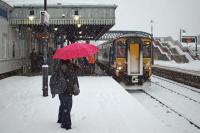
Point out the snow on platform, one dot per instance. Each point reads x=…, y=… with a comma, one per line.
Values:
x=103, y=106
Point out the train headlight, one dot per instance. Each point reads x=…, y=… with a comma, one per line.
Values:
x=119, y=67
x=147, y=65
x=147, y=68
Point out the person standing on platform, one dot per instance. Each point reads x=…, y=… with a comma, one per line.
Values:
x=85, y=65
x=91, y=62
x=67, y=87
x=33, y=58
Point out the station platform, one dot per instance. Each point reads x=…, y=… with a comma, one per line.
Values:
x=187, y=77
x=103, y=106
x=192, y=72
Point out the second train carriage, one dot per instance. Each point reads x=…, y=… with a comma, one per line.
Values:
x=128, y=57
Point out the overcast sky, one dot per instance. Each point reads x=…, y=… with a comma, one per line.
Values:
x=168, y=15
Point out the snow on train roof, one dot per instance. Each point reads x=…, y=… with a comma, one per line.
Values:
x=57, y=2
x=134, y=34
x=137, y=34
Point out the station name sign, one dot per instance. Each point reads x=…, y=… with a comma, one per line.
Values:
x=189, y=39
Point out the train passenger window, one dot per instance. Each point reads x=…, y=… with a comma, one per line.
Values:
x=146, y=51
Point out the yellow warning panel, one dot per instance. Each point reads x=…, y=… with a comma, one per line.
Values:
x=134, y=58
x=134, y=50
x=121, y=60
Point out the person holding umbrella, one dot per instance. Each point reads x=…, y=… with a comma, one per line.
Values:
x=67, y=87
x=64, y=81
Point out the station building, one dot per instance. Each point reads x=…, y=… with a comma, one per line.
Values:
x=19, y=33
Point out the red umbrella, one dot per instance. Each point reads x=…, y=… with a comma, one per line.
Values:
x=75, y=50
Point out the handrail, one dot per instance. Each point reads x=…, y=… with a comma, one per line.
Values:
x=177, y=43
x=160, y=47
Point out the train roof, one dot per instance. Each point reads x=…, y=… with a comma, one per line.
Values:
x=137, y=34
x=130, y=34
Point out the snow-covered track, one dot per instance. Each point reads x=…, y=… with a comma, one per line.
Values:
x=178, y=84
x=176, y=97
x=184, y=102
x=171, y=108
x=180, y=90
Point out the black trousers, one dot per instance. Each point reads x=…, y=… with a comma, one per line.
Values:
x=64, y=116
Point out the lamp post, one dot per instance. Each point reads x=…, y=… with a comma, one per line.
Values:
x=182, y=31
x=45, y=65
x=151, y=22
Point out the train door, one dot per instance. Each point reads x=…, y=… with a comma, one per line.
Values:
x=135, y=59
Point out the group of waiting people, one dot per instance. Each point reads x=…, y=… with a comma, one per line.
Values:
x=37, y=60
x=88, y=65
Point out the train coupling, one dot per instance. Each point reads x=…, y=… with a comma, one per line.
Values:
x=134, y=79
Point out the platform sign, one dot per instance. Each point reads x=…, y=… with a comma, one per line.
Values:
x=189, y=39
x=44, y=18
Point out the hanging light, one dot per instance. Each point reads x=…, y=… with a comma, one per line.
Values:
x=31, y=16
x=63, y=15
x=78, y=25
x=55, y=28
x=76, y=15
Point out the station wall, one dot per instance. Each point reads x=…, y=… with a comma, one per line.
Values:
x=13, y=48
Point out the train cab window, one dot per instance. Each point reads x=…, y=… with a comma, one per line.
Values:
x=146, y=51
x=120, y=51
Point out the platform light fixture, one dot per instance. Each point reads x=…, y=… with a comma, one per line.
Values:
x=76, y=15
x=63, y=15
x=78, y=25
x=31, y=16
x=55, y=28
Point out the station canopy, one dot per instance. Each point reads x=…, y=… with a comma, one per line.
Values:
x=93, y=22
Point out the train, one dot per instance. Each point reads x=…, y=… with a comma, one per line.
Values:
x=128, y=57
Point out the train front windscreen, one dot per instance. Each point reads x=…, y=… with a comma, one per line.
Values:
x=120, y=51
x=146, y=51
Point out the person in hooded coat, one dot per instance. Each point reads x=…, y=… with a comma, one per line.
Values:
x=69, y=73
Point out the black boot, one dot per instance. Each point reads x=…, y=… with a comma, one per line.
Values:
x=67, y=128
x=59, y=121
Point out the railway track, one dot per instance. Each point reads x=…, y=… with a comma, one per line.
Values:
x=173, y=110
x=174, y=97
x=181, y=76
x=176, y=92
x=178, y=84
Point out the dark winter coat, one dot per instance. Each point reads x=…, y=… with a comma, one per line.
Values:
x=71, y=78
x=57, y=83
x=63, y=80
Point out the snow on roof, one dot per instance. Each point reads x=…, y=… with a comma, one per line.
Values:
x=57, y=2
